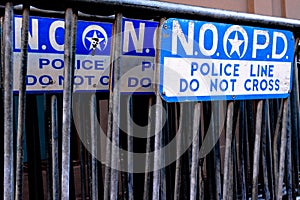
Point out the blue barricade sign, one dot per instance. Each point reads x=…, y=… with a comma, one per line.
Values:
x=46, y=55
x=93, y=49
x=202, y=61
x=138, y=56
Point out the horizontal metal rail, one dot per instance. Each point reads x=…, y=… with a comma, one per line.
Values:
x=152, y=9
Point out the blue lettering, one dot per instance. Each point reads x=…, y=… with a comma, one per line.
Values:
x=214, y=85
x=99, y=64
x=89, y=79
x=236, y=69
x=133, y=82
x=42, y=62
x=225, y=70
x=183, y=85
x=147, y=65
x=226, y=85
x=78, y=80
x=102, y=80
x=57, y=63
x=264, y=70
x=232, y=81
x=47, y=78
x=145, y=82
x=251, y=71
x=271, y=85
x=271, y=68
x=263, y=85
x=84, y=66
x=255, y=84
x=202, y=69
x=196, y=85
x=245, y=85
x=31, y=80
x=194, y=67
x=277, y=84
x=60, y=80
x=213, y=73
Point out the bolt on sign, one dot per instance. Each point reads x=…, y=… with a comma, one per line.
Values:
x=203, y=61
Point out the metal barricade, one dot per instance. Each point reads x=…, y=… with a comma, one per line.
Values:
x=66, y=145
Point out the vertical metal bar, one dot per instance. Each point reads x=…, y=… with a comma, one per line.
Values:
x=227, y=150
x=1, y=105
x=295, y=123
x=285, y=126
x=275, y=141
x=257, y=149
x=216, y=149
x=157, y=146
x=129, y=148
x=271, y=122
x=243, y=149
x=116, y=107
x=178, y=169
x=82, y=172
x=48, y=144
x=22, y=102
x=163, y=189
x=8, y=179
x=69, y=60
x=107, y=170
x=201, y=161
x=195, y=150
x=148, y=149
x=289, y=173
x=264, y=151
x=54, y=138
x=158, y=122
x=94, y=148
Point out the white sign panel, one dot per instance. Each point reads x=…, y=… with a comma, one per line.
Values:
x=202, y=61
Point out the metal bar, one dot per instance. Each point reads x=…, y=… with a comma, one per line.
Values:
x=227, y=150
x=283, y=144
x=129, y=148
x=54, y=138
x=107, y=173
x=158, y=122
x=201, y=160
x=264, y=150
x=82, y=171
x=158, y=8
x=157, y=146
x=295, y=122
x=257, y=149
x=69, y=59
x=22, y=102
x=48, y=143
x=148, y=150
x=1, y=104
x=178, y=169
x=270, y=161
x=243, y=149
x=94, y=152
x=289, y=173
x=275, y=141
x=116, y=107
x=217, y=160
x=8, y=179
x=163, y=136
x=195, y=151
